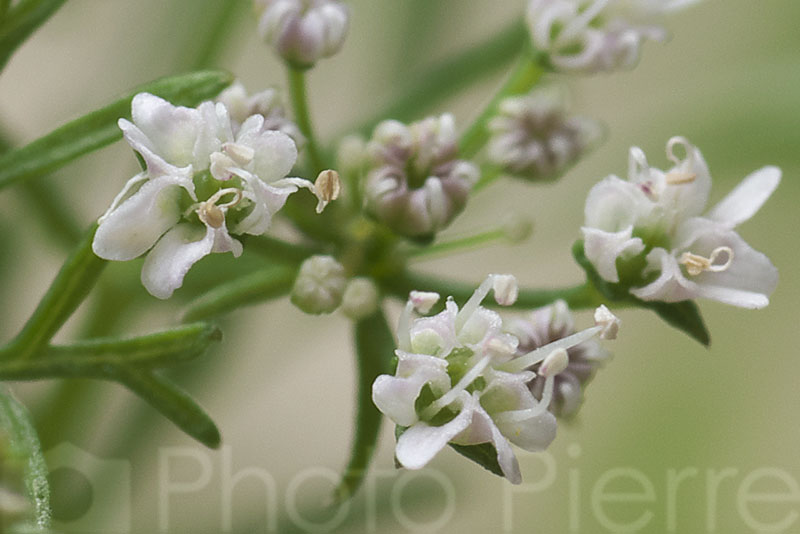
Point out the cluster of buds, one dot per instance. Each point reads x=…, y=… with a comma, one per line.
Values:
x=303, y=31
x=416, y=184
x=533, y=138
x=322, y=286
x=596, y=35
x=652, y=233
x=461, y=378
x=204, y=180
x=546, y=325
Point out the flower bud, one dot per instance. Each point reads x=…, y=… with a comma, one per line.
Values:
x=416, y=185
x=534, y=139
x=319, y=285
x=303, y=31
x=267, y=103
x=360, y=298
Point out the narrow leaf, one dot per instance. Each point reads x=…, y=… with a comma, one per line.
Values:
x=100, y=358
x=374, y=350
x=21, y=21
x=70, y=287
x=251, y=288
x=173, y=403
x=484, y=454
x=99, y=128
x=15, y=423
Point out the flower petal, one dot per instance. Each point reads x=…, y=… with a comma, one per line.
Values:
x=395, y=396
x=614, y=204
x=275, y=152
x=171, y=130
x=267, y=201
x=421, y=442
x=746, y=199
x=136, y=224
x=603, y=248
x=671, y=285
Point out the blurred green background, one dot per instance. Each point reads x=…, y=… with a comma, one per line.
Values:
x=280, y=386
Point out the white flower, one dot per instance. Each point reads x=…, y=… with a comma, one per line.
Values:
x=303, y=31
x=596, y=35
x=201, y=183
x=461, y=380
x=695, y=252
x=533, y=137
x=416, y=184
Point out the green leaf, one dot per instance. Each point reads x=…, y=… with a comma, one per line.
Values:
x=266, y=284
x=685, y=316
x=484, y=454
x=173, y=403
x=99, y=128
x=20, y=21
x=102, y=358
x=374, y=350
x=70, y=287
x=15, y=423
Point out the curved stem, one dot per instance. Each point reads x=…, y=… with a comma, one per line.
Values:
x=525, y=76
x=458, y=244
x=299, y=98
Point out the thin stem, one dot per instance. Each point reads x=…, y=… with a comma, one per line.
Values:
x=582, y=296
x=458, y=244
x=299, y=98
x=71, y=286
x=488, y=176
x=525, y=76
x=223, y=28
x=278, y=250
x=452, y=75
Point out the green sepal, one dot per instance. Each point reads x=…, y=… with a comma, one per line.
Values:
x=483, y=454
x=23, y=444
x=20, y=21
x=684, y=316
x=99, y=128
x=374, y=348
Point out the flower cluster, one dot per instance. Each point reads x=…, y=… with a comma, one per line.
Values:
x=533, y=138
x=416, y=184
x=462, y=379
x=303, y=31
x=596, y=35
x=205, y=178
x=653, y=234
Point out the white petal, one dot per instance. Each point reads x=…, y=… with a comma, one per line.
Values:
x=687, y=199
x=395, y=396
x=215, y=130
x=275, y=152
x=746, y=199
x=267, y=200
x=131, y=229
x=671, y=285
x=603, y=248
x=421, y=442
x=172, y=130
x=613, y=205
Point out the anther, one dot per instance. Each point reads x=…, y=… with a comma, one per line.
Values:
x=696, y=264
x=327, y=187
x=214, y=215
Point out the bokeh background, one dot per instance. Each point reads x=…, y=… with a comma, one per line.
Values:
x=280, y=385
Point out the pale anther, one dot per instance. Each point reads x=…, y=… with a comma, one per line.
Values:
x=679, y=177
x=554, y=363
x=696, y=264
x=214, y=215
x=327, y=187
x=239, y=153
x=423, y=301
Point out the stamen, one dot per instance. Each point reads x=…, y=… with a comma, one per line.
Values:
x=214, y=215
x=327, y=187
x=537, y=355
x=241, y=154
x=680, y=177
x=456, y=390
x=556, y=362
x=404, y=327
x=677, y=140
x=423, y=301
x=505, y=287
x=696, y=264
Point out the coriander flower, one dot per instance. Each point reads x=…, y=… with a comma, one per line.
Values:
x=460, y=380
x=534, y=139
x=658, y=220
x=549, y=324
x=201, y=184
x=416, y=184
x=597, y=35
x=303, y=31
x=266, y=103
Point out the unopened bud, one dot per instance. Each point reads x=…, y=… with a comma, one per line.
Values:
x=351, y=156
x=303, y=31
x=319, y=285
x=608, y=321
x=360, y=298
x=266, y=103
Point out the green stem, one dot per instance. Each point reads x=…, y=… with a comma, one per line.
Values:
x=488, y=176
x=70, y=287
x=525, y=76
x=458, y=244
x=278, y=250
x=452, y=75
x=299, y=98
x=224, y=24
x=582, y=296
